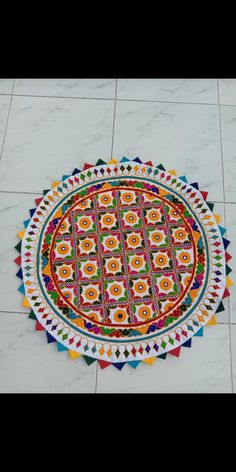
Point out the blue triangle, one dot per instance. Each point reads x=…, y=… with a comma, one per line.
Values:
x=222, y=230
x=124, y=159
x=199, y=332
x=61, y=347
x=50, y=338
x=64, y=177
x=225, y=242
x=21, y=289
x=195, y=185
x=187, y=343
x=137, y=160
x=134, y=364
x=76, y=171
x=32, y=211
x=26, y=222
x=20, y=273
x=183, y=178
x=119, y=365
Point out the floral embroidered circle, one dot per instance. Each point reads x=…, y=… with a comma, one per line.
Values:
x=123, y=262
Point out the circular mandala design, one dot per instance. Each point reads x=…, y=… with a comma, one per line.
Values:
x=123, y=262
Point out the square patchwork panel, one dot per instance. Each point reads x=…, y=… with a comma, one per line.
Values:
x=63, y=248
x=64, y=272
x=108, y=221
x=180, y=236
x=115, y=291
x=161, y=261
x=106, y=201
x=166, y=285
x=140, y=288
x=89, y=269
x=127, y=198
x=87, y=246
x=157, y=238
x=137, y=263
x=131, y=219
x=153, y=216
x=134, y=240
x=110, y=243
x=90, y=294
x=85, y=205
x=113, y=266
x=85, y=223
x=143, y=312
x=184, y=258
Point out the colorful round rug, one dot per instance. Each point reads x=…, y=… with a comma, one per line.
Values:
x=123, y=262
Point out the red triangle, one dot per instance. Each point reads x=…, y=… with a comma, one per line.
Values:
x=38, y=200
x=18, y=260
x=204, y=194
x=38, y=326
x=149, y=163
x=104, y=364
x=227, y=257
x=226, y=293
x=175, y=352
x=87, y=166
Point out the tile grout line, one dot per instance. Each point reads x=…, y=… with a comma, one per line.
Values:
x=118, y=99
x=7, y=120
x=223, y=182
x=114, y=117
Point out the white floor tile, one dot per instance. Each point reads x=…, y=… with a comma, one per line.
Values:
x=6, y=86
x=180, y=136
x=171, y=90
x=205, y=368
x=28, y=364
x=84, y=88
x=227, y=91
x=228, y=121
x=49, y=137
x=231, y=235
x=4, y=108
x=233, y=353
x=13, y=211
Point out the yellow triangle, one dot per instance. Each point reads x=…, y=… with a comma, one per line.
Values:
x=54, y=184
x=113, y=161
x=25, y=303
x=212, y=321
x=21, y=234
x=46, y=270
x=58, y=214
x=73, y=354
x=217, y=218
x=149, y=360
x=229, y=282
x=173, y=172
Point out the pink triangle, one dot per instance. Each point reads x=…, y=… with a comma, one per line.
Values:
x=175, y=352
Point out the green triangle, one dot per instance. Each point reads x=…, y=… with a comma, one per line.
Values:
x=228, y=269
x=220, y=308
x=210, y=205
x=18, y=247
x=32, y=315
x=162, y=356
x=46, y=191
x=89, y=360
x=100, y=162
x=161, y=167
